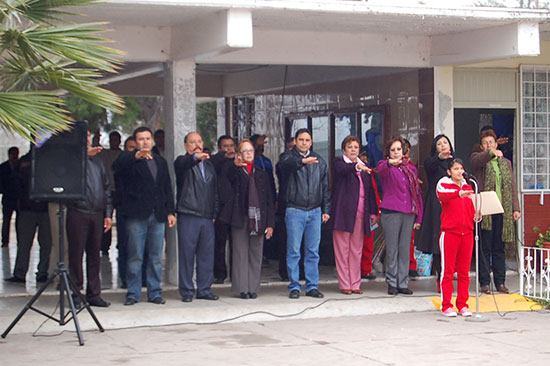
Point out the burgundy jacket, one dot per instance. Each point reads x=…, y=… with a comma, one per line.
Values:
x=345, y=197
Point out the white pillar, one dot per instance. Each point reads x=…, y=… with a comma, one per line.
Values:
x=179, y=106
x=443, y=106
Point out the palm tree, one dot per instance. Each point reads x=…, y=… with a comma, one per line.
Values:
x=43, y=57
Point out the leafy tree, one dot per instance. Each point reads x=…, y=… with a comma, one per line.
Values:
x=43, y=56
x=139, y=111
x=207, y=123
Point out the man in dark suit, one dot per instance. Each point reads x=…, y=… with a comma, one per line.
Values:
x=197, y=206
x=223, y=161
x=8, y=188
x=147, y=206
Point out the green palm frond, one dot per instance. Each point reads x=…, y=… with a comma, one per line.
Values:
x=39, y=54
x=29, y=113
x=40, y=11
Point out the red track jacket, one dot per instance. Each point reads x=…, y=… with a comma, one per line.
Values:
x=457, y=215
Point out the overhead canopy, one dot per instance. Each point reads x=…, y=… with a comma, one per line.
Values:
x=314, y=33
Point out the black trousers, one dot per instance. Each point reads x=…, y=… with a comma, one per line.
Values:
x=222, y=231
x=7, y=213
x=492, y=256
x=84, y=232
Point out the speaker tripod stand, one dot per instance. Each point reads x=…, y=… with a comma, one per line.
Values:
x=66, y=286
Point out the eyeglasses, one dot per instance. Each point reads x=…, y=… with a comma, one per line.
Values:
x=247, y=151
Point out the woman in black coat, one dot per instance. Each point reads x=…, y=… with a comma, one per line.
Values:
x=252, y=216
x=436, y=168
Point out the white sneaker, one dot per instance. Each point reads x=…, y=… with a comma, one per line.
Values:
x=449, y=313
x=465, y=311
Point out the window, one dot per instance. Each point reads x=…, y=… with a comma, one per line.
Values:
x=534, y=128
x=344, y=125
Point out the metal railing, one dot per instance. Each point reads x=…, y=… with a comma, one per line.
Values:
x=535, y=273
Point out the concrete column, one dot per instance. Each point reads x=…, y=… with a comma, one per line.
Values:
x=179, y=106
x=443, y=93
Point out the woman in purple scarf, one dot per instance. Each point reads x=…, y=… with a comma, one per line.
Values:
x=401, y=209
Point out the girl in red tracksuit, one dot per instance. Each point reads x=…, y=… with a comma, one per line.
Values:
x=456, y=239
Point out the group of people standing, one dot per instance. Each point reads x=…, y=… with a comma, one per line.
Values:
x=232, y=195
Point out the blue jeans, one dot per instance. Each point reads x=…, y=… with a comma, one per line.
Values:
x=307, y=224
x=145, y=236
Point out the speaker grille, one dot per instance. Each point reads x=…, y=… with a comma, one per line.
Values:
x=59, y=166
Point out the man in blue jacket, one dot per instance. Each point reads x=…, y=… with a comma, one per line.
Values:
x=197, y=206
x=308, y=204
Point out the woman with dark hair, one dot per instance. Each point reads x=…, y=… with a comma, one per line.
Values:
x=436, y=166
x=354, y=209
x=252, y=216
x=401, y=213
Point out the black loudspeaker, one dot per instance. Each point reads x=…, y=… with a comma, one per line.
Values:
x=58, y=170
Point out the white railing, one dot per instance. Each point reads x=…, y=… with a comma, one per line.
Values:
x=535, y=273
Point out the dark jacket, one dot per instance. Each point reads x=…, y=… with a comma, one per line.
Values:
x=8, y=183
x=283, y=183
x=478, y=161
x=144, y=195
x=23, y=181
x=307, y=186
x=225, y=191
x=98, y=190
x=345, y=197
x=436, y=169
x=196, y=195
x=238, y=216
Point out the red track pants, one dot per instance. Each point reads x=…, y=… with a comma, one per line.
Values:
x=456, y=256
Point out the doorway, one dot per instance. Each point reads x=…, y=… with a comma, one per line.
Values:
x=469, y=121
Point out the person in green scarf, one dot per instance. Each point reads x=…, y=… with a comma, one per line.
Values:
x=494, y=173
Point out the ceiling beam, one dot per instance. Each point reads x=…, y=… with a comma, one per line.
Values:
x=512, y=40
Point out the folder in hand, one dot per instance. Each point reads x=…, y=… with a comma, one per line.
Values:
x=488, y=202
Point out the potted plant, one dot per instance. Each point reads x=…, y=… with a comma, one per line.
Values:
x=543, y=241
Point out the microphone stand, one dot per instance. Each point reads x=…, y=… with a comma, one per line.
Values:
x=477, y=317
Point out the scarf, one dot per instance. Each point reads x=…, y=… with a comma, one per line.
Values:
x=508, y=227
x=254, y=215
x=414, y=187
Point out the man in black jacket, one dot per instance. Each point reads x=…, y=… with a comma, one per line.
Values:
x=32, y=216
x=87, y=220
x=223, y=161
x=197, y=207
x=147, y=205
x=308, y=204
x=8, y=189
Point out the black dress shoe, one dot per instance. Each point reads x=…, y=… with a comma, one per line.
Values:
x=294, y=294
x=218, y=281
x=502, y=289
x=315, y=293
x=392, y=290
x=77, y=303
x=485, y=289
x=129, y=301
x=14, y=279
x=41, y=278
x=244, y=295
x=209, y=296
x=252, y=295
x=413, y=273
x=100, y=303
x=405, y=291
x=187, y=298
x=158, y=300
x=5, y=245
x=370, y=276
